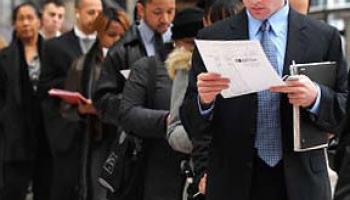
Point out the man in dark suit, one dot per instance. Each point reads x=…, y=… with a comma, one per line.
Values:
x=64, y=135
x=251, y=151
x=139, y=41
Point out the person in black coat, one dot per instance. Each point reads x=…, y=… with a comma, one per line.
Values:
x=64, y=135
x=148, y=121
x=138, y=42
x=235, y=170
x=82, y=76
x=24, y=154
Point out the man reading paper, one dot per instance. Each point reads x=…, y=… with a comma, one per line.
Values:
x=251, y=153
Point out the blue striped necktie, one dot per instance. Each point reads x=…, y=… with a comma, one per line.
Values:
x=268, y=137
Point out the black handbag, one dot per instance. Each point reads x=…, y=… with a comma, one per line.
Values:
x=122, y=170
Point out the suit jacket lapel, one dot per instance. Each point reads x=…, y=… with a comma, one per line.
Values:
x=297, y=42
x=74, y=43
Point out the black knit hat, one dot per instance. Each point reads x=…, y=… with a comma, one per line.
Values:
x=187, y=23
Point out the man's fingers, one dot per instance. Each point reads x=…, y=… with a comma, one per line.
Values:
x=217, y=89
x=211, y=77
x=297, y=95
x=286, y=89
x=297, y=102
x=209, y=95
x=217, y=83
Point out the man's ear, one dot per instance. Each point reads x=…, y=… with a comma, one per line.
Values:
x=140, y=10
x=206, y=21
x=77, y=15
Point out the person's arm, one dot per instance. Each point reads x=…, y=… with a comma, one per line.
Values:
x=303, y=92
x=52, y=75
x=134, y=115
x=108, y=89
x=332, y=107
x=176, y=133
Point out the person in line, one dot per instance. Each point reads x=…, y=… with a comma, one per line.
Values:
x=141, y=40
x=25, y=157
x=179, y=64
x=110, y=26
x=52, y=18
x=64, y=135
x=243, y=164
x=161, y=173
x=144, y=39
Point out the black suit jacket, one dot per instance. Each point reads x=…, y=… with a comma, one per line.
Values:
x=233, y=126
x=59, y=54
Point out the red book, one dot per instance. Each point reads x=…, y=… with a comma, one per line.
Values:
x=68, y=96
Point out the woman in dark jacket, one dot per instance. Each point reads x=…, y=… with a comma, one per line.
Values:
x=22, y=143
x=110, y=25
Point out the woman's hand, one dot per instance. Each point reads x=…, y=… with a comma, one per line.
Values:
x=86, y=108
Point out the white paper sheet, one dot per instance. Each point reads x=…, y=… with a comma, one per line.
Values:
x=243, y=62
x=125, y=73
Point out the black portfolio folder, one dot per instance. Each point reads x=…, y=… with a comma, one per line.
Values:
x=307, y=135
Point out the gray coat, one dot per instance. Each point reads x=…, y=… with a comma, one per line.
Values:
x=162, y=178
x=178, y=64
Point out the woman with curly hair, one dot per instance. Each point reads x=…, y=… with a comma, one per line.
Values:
x=110, y=26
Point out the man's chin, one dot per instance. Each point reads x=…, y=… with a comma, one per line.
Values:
x=162, y=30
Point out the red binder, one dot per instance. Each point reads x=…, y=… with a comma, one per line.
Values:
x=68, y=96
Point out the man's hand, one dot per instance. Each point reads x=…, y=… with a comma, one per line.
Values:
x=202, y=184
x=86, y=108
x=301, y=92
x=209, y=85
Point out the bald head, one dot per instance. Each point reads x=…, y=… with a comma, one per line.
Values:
x=86, y=12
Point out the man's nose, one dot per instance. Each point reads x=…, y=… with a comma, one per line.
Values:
x=25, y=21
x=165, y=18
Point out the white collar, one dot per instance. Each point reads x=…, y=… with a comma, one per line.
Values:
x=104, y=52
x=57, y=34
x=80, y=34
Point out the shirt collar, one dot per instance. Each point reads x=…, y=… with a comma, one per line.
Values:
x=104, y=52
x=146, y=32
x=278, y=21
x=57, y=34
x=82, y=35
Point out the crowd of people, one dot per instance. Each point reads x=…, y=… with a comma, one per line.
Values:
x=149, y=122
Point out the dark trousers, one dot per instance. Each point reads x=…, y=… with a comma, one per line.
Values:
x=67, y=170
x=268, y=182
x=17, y=176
